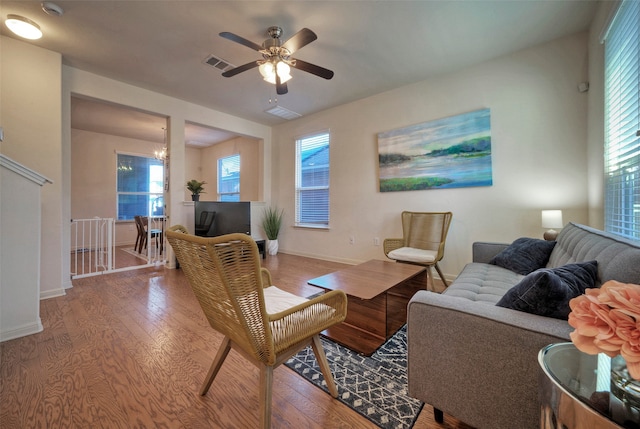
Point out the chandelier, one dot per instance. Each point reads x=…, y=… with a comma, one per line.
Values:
x=162, y=153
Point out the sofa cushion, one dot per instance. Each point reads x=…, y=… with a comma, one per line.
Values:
x=618, y=258
x=547, y=291
x=524, y=255
x=483, y=283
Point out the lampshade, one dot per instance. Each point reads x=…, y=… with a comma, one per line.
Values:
x=267, y=71
x=552, y=219
x=23, y=27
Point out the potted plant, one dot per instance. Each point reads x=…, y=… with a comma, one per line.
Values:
x=196, y=189
x=271, y=223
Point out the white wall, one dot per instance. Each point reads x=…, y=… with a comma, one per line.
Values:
x=539, y=134
x=538, y=121
x=20, y=222
x=93, y=177
x=250, y=157
x=596, y=115
x=30, y=94
x=178, y=112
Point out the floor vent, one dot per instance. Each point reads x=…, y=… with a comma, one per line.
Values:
x=218, y=63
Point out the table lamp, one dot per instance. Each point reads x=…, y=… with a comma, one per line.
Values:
x=551, y=219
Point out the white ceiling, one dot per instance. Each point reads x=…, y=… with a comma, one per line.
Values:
x=372, y=46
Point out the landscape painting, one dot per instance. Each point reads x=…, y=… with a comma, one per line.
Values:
x=452, y=152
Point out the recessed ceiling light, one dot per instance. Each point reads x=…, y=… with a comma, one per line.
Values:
x=23, y=27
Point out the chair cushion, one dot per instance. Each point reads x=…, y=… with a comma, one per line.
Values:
x=277, y=300
x=547, y=291
x=411, y=254
x=524, y=255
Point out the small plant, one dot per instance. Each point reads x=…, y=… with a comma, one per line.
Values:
x=272, y=221
x=195, y=187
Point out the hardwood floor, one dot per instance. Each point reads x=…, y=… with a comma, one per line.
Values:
x=131, y=349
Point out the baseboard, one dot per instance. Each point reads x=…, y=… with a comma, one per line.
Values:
x=323, y=257
x=450, y=278
x=52, y=293
x=21, y=331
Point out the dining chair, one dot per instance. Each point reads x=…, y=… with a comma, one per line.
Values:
x=203, y=224
x=265, y=324
x=424, y=235
x=142, y=223
x=141, y=234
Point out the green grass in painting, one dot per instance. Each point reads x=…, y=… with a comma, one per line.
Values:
x=411, y=183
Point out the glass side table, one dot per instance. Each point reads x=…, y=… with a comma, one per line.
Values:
x=575, y=391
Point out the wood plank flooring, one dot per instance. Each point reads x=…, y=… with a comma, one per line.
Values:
x=130, y=350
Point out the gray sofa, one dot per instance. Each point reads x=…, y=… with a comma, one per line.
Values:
x=476, y=361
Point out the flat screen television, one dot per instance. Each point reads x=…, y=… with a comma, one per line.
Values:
x=213, y=218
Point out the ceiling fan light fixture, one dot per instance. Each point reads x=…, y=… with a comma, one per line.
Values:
x=23, y=27
x=267, y=71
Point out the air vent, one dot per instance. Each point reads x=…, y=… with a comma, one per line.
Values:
x=282, y=112
x=218, y=63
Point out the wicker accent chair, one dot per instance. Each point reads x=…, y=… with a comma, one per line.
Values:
x=263, y=323
x=423, y=238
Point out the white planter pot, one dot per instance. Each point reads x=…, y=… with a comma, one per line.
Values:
x=272, y=247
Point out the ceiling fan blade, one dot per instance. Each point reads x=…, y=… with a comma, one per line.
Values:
x=299, y=40
x=240, y=69
x=312, y=68
x=241, y=40
x=281, y=87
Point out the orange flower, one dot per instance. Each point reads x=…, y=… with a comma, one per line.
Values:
x=607, y=320
x=623, y=296
x=594, y=331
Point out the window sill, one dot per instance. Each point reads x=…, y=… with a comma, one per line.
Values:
x=314, y=227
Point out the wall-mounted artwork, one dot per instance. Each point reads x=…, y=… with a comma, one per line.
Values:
x=452, y=152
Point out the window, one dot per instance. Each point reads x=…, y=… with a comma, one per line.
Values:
x=312, y=181
x=229, y=178
x=622, y=148
x=139, y=186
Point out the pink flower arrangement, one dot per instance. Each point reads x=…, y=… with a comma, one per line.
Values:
x=607, y=320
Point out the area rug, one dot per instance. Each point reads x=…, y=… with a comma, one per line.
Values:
x=374, y=386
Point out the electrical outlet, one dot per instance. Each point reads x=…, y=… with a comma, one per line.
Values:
x=376, y=241
x=352, y=240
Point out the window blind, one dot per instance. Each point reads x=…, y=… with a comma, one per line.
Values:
x=312, y=181
x=622, y=122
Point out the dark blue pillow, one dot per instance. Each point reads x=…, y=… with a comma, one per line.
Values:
x=524, y=255
x=547, y=291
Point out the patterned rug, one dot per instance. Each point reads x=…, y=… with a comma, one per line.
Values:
x=374, y=386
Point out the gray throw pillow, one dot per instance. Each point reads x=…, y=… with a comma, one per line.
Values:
x=547, y=291
x=524, y=255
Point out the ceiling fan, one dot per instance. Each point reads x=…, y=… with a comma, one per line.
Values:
x=276, y=57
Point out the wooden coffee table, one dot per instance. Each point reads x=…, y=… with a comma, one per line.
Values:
x=377, y=296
